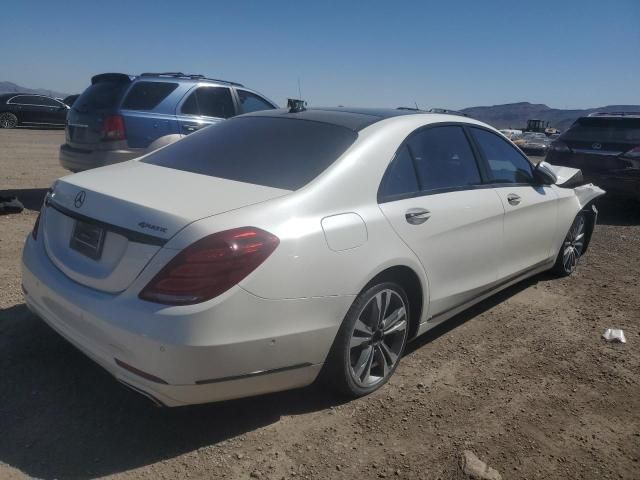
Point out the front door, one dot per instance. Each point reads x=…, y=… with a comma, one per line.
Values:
x=530, y=208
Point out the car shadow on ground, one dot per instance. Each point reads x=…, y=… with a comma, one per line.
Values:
x=63, y=416
x=31, y=198
x=618, y=211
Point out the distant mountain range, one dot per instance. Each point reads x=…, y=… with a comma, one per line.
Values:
x=10, y=87
x=515, y=115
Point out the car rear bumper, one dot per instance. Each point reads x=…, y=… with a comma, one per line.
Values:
x=78, y=159
x=216, y=360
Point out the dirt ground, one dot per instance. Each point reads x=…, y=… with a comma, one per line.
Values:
x=523, y=380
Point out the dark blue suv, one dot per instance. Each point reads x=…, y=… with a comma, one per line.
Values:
x=120, y=117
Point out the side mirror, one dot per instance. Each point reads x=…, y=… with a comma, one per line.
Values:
x=545, y=174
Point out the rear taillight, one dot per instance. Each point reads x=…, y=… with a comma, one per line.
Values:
x=559, y=146
x=34, y=232
x=113, y=128
x=210, y=266
x=633, y=153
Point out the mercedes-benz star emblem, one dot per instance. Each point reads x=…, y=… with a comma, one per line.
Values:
x=596, y=146
x=79, y=200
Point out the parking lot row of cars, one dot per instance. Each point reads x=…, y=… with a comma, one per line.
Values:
x=120, y=117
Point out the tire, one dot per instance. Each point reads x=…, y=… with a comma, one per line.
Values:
x=8, y=120
x=369, y=346
x=572, y=247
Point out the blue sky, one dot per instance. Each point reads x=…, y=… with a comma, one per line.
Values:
x=567, y=54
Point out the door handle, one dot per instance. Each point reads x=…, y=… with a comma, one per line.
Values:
x=416, y=216
x=190, y=127
x=513, y=199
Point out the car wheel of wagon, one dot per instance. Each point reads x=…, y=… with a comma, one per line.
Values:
x=572, y=247
x=371, y=340
x=8, y=120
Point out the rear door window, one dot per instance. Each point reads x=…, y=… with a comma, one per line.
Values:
x=400, y=178
x=250, y=102
x=209, y=102
x=443, y=158
x=147, y=95
x=276, y=152
x=506, y=163
x=49, y=102
x=101, y=96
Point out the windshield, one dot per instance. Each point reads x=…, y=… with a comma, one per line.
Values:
x=594, y=129
x=284, y=153
x=100, y=96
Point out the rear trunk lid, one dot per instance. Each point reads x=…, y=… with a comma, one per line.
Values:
x=98, y=101
x=101, y=227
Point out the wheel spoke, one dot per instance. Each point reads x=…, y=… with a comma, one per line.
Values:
x=389, y=355
x=395, y=317
x=362, y=329
x=358, y=341
x=364, y=362
x=382, y=361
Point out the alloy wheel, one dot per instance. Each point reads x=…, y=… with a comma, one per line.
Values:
x=8, y=120
x=573, y=244
x=378, y=338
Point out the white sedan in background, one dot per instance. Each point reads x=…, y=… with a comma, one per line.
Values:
x=251, y=256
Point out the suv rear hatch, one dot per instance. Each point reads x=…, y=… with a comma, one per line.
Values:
x=86, y=118
x=600, y=143
x=101, y=229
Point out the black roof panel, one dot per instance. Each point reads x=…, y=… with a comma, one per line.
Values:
x=352, y=118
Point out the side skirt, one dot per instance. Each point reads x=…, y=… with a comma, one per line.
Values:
x=444, y=316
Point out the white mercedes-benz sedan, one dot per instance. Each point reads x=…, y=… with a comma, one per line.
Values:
x=280, y=246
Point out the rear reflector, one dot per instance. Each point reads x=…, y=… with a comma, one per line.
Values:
x=140, y=373
x=210, y=266
x=34, y=232
x=113, y=128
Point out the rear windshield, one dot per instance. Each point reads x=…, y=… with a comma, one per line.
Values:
x=100, y=96
x=275, y=152
x=147, y=95
x=594, y=129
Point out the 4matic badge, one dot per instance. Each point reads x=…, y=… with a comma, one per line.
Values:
x=152, y=227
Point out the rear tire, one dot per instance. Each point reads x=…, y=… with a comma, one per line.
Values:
x=370, y=342
x=572, y=247
x=8, y=120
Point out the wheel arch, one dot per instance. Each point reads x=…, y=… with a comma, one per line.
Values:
x=413, y=286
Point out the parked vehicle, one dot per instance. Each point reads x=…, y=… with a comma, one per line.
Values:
x=120, y=117
x=533, y=143
x=27, y=109
x=70, y=99
x=606, y=147
x=248, y=257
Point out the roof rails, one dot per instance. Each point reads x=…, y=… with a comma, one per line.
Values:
x=188, y=76
x=614, y=114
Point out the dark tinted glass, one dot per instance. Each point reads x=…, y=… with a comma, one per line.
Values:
x=597, y=129
x=210, y=102
x=27, y=100
x=100, y=96
x=147, y=95
x=49, y=102
x=252, y=103
x=275, y=152
x=506, y=163
x=443, y=158
x=400, y=178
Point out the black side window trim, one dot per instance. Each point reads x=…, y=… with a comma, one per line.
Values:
x=423, y=193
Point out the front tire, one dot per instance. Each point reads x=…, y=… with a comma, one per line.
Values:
x=572, y=247
x=370, y=342
x=8, y=120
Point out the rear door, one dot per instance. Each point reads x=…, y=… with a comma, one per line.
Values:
x=53, y=111
x=204, y=105
x=433, y=196
x=530, y=209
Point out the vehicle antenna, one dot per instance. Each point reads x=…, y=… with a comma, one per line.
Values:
x=299, y=89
